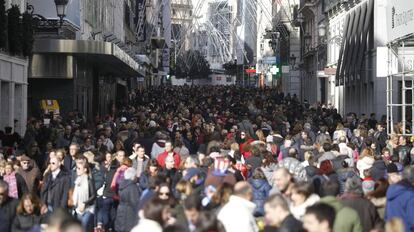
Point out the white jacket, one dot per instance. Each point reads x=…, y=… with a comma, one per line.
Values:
x=299, y=211
x=237, y=215
x=147, y=225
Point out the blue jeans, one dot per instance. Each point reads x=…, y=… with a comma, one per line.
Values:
x=85, y=219
x=106, y=212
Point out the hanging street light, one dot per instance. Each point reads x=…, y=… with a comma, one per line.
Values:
x=61, y=9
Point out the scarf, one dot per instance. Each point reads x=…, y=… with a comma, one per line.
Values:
x=81, y=191
x=11, y=180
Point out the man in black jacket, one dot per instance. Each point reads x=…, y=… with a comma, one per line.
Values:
x=278, y=215
x=56, y=186
x=7, y=207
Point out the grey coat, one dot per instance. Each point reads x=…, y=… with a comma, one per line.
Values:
x=127, y=213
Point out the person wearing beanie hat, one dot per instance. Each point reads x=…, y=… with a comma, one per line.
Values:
x=353, y=198
x=126, y=216
x=393, y=173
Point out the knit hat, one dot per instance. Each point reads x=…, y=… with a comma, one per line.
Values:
x=393, y=168
x=190, y=173
x=130, y=174
x=353, y=185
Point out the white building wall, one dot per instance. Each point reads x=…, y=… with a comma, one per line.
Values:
x=13, y=92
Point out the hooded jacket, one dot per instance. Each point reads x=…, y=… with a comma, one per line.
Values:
x=237, y=215
x=261, y=189
x=127, y=212
x=400, y=201
x=347, y=219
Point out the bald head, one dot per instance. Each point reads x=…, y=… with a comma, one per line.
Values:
x=243, y=189
x=282, y=179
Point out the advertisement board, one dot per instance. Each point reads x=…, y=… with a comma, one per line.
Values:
x=400, y=18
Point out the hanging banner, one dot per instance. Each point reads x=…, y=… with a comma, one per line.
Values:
x=141, y=18
x=400, y=18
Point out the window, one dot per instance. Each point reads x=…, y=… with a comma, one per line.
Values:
x=228, y=79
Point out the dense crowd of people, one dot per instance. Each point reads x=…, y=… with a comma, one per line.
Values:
x=208, y=159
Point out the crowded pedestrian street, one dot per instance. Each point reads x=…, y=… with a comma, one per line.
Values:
x=206, y=116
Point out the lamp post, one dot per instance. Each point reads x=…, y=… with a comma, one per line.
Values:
x=336, y=39
x=61, y=9
x=43, y=22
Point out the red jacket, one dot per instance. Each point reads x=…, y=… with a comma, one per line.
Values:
x=161, y=159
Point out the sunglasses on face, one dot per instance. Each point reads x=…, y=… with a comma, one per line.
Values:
x=164, y=194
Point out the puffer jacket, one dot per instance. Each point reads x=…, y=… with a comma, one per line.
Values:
x=127, y=212
x=400, y=199
x=261, y=190
x=343, y=175
x=295, y=167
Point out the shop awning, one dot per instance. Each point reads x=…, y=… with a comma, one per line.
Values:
x=354, y=44
x=108, y=57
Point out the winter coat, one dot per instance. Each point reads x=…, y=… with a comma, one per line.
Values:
x=343, y=175
x=363, y=164
x=7, y=213
x=161, y=159
x=127, y=212
x=365, y=208
x=268, y=172
x=400, y=201
x=347, y=219
x=55, y=192
x=261, y=190
x=157, y=148
x=97, y=176
x=108, y=176
x=24, y=222
x=237, y=215
x=299, y=211
x=294, y=167
x=31, y=177
x=254, y=162
x=247, y=126
x=143, y=181
x=289, y=224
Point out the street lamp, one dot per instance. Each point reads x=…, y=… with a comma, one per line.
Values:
x=322, y=30
x=61, y=9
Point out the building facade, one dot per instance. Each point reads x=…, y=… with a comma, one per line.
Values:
x=88, y=62
x=13, y=93
x=350, y=40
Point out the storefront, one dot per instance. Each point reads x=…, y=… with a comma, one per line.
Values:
x=395, y=61
x=86, y=75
